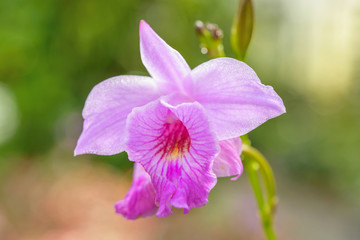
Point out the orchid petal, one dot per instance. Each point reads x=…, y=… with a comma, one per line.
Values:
x=233, y=96
x=164, y=64
x=106, y=110
x=228, y=162
x=140, y=200
x=177, y=148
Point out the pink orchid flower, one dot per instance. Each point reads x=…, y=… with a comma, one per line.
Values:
x=181, y=127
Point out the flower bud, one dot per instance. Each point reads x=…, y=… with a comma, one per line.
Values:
x=199, y=27
x=242, y=28
x=210, y=37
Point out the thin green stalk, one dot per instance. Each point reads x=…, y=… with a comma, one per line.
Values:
x=255, y=165
x=266, y=173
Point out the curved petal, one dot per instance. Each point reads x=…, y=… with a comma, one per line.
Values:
x=228, y=162
x=233, y=96
x=165, y=64
x=177, y=149
x=140, y=200
x=106, y=110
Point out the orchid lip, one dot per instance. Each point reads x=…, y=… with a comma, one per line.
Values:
x=176, y=148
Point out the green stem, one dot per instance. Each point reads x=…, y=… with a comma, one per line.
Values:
x=266, y=173
x=255, y=164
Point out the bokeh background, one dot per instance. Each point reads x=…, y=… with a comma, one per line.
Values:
x=53, y=52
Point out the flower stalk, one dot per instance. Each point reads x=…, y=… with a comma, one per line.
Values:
x=257, y=169
x=265, y=172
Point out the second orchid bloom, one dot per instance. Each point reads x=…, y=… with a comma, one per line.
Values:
x=181, y=127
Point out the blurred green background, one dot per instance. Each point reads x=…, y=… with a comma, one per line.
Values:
x=53, y=52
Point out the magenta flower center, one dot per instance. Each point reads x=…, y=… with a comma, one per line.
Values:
x=174, y=141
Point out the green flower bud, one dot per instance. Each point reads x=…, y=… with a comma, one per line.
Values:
x=242, y=28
